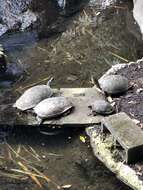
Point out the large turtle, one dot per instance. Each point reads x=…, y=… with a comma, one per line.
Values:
x=101, y=107
x=31, y=97
x=114, y=84
x=52, y=107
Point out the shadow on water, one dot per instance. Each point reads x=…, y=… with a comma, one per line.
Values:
x=83, y=45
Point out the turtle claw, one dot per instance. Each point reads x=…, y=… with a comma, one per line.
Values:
x=94, y=113
x=91, y=113
x=39, y=120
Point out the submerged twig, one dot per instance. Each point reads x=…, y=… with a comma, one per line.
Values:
x=26, y=172
x=34, y=178
x=16, y=153
x=13, y=176
x=18, y=150
x=71, y=57
x=7, y=153
x=34, y=151
x=46, y=177
x=33, y=155
x=118, y=56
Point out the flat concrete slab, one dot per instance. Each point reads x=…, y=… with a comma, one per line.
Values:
x=81, y=98
x=127, y=134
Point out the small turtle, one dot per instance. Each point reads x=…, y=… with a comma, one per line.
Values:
x=114, y=84
x=31, y=97
x=101, y=107
x=52, y=107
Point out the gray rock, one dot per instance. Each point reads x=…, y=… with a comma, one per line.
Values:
x=138, y=13
x=127, y=134
x=14, y=13
x=101, y=3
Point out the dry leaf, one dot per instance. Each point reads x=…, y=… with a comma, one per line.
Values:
x=82, y=139
x=67, y=186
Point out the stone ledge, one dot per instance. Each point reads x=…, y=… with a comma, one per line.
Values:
x=122, y=171
x=127, y=134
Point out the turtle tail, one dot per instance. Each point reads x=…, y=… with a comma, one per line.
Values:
x=49, y=81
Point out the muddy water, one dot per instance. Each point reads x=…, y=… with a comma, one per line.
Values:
x=93, y=41
x=75, y=49
x=63, y=158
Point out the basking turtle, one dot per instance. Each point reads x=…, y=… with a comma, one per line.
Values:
x=114, y=84
x=31, y=97
x=101, y=107
x=52, y=107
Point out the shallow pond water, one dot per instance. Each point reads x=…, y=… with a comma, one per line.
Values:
x=83, y=47
x=63, y=158
x=93, y=41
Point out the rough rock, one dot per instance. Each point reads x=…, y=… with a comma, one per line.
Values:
x=138, y=13
x=101, y=3
x=127, y=134
x=102, y=150
x=12, y=14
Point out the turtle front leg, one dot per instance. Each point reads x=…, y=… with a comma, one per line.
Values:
x=91, y=113
x=39, y=120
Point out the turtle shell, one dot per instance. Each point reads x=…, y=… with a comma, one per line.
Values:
x=31, y=97
x=101, y=107
x=52, y=107
x=114, y=84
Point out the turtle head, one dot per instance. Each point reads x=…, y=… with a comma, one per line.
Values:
x=49, y=81
x=90, y=106
x=14, y=105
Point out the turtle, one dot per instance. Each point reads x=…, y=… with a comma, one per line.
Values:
x=32, y=96
x=101, y=107
x=52, y=108
x=114, y=84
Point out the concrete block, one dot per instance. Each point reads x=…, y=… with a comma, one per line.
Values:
x=127, y=134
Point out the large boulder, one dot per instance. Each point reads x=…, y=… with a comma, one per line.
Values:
x=15, y=14
x=138, y=13
x=18, y=15
x=101, y=3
